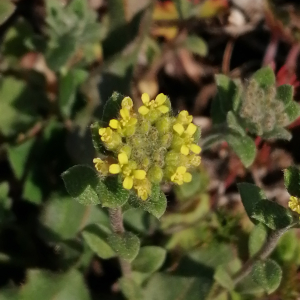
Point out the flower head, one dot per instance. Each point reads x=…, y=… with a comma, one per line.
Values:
x=128, y=170
x=157, y=104
x=181, y=176
x=294, y=204
x=150, y=147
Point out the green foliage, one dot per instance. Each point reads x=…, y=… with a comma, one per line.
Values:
x=156, y=204
x=292, y=181
x=6, y=10
x=83, y=184
x=267, y=274
x=130, y=289
x=272, y=214
x=196, y=45
x=149, y=259
x=96, y=237
x=257, y=238
x=46, y=285
x=126, y=245
x=250, y=195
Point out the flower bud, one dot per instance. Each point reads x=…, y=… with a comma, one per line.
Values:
x=177, y=142
x=163, y=124
x=144, y=127
x=146, y=163
x=153, y=115
x=166, y=140
x=155, y=174
x=126, y=149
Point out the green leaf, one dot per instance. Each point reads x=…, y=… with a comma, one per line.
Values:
x=285, y=93
x=184, y=8
x=292, y=181
x=83, y=184
x=149, y=259
x=130, y=289
x=126, y=245
x=278, y=133
x=243, y=146
x=287, y=246
x=112, y=107
x=113, y=194
x=18, y=156
x=116, y=12
x=267, y=274
x=292, y=110
x=196, y=45
x=63, y=217
x=272, y=214
x=156, y=204
x=223, y=278
x=95, y=236
x=48, y=286
x=265, y=77
x=234, y=124
x=32, y=190
x=4, y=189
x=6, y=10
x=250, y=195
x=257, y=238
x=164, y=286
x=68, y=84
x=223, y=101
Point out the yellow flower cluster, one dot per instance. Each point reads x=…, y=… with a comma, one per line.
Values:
x=150, y=146
x=294, y=204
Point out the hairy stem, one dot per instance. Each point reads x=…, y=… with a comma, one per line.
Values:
x=116, y=222
x=264, y=252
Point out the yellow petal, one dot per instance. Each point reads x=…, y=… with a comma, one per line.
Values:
x=114, y=169
x=184, y=150
x=124, y=113
x=163, y=109
x=143, y=110
x=139, y=174
x=145, y=98
x=195, y=148
x=191, y=129
x=128, y=183
x=123, y=158
x=127, y=103
x=187, y=177
x=114, y=123
x=178, y=128
x=132, y=122
x=97, y=160
x=102, y=131
x=160, y=99
x=181, y=170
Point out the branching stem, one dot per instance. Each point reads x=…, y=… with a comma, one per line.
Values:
x=264, y=252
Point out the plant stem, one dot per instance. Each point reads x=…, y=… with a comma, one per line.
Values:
x=264, y=252
x=116, y=222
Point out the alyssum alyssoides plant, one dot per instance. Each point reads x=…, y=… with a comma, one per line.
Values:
x=258, y=106
x=137, y=151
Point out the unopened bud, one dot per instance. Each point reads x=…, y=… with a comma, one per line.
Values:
x=155, y=174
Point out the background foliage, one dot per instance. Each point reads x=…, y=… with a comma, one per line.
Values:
x=60, y=61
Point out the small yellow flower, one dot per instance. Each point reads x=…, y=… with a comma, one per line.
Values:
x=184, y=118
x=187, y=134
x=101, y=166
x=157, y=104
x=294, y=204
x=181, y=176
x=126, y=125
x=143, y=188
x=112, y=139
x=128, y=169
x=127, y=103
